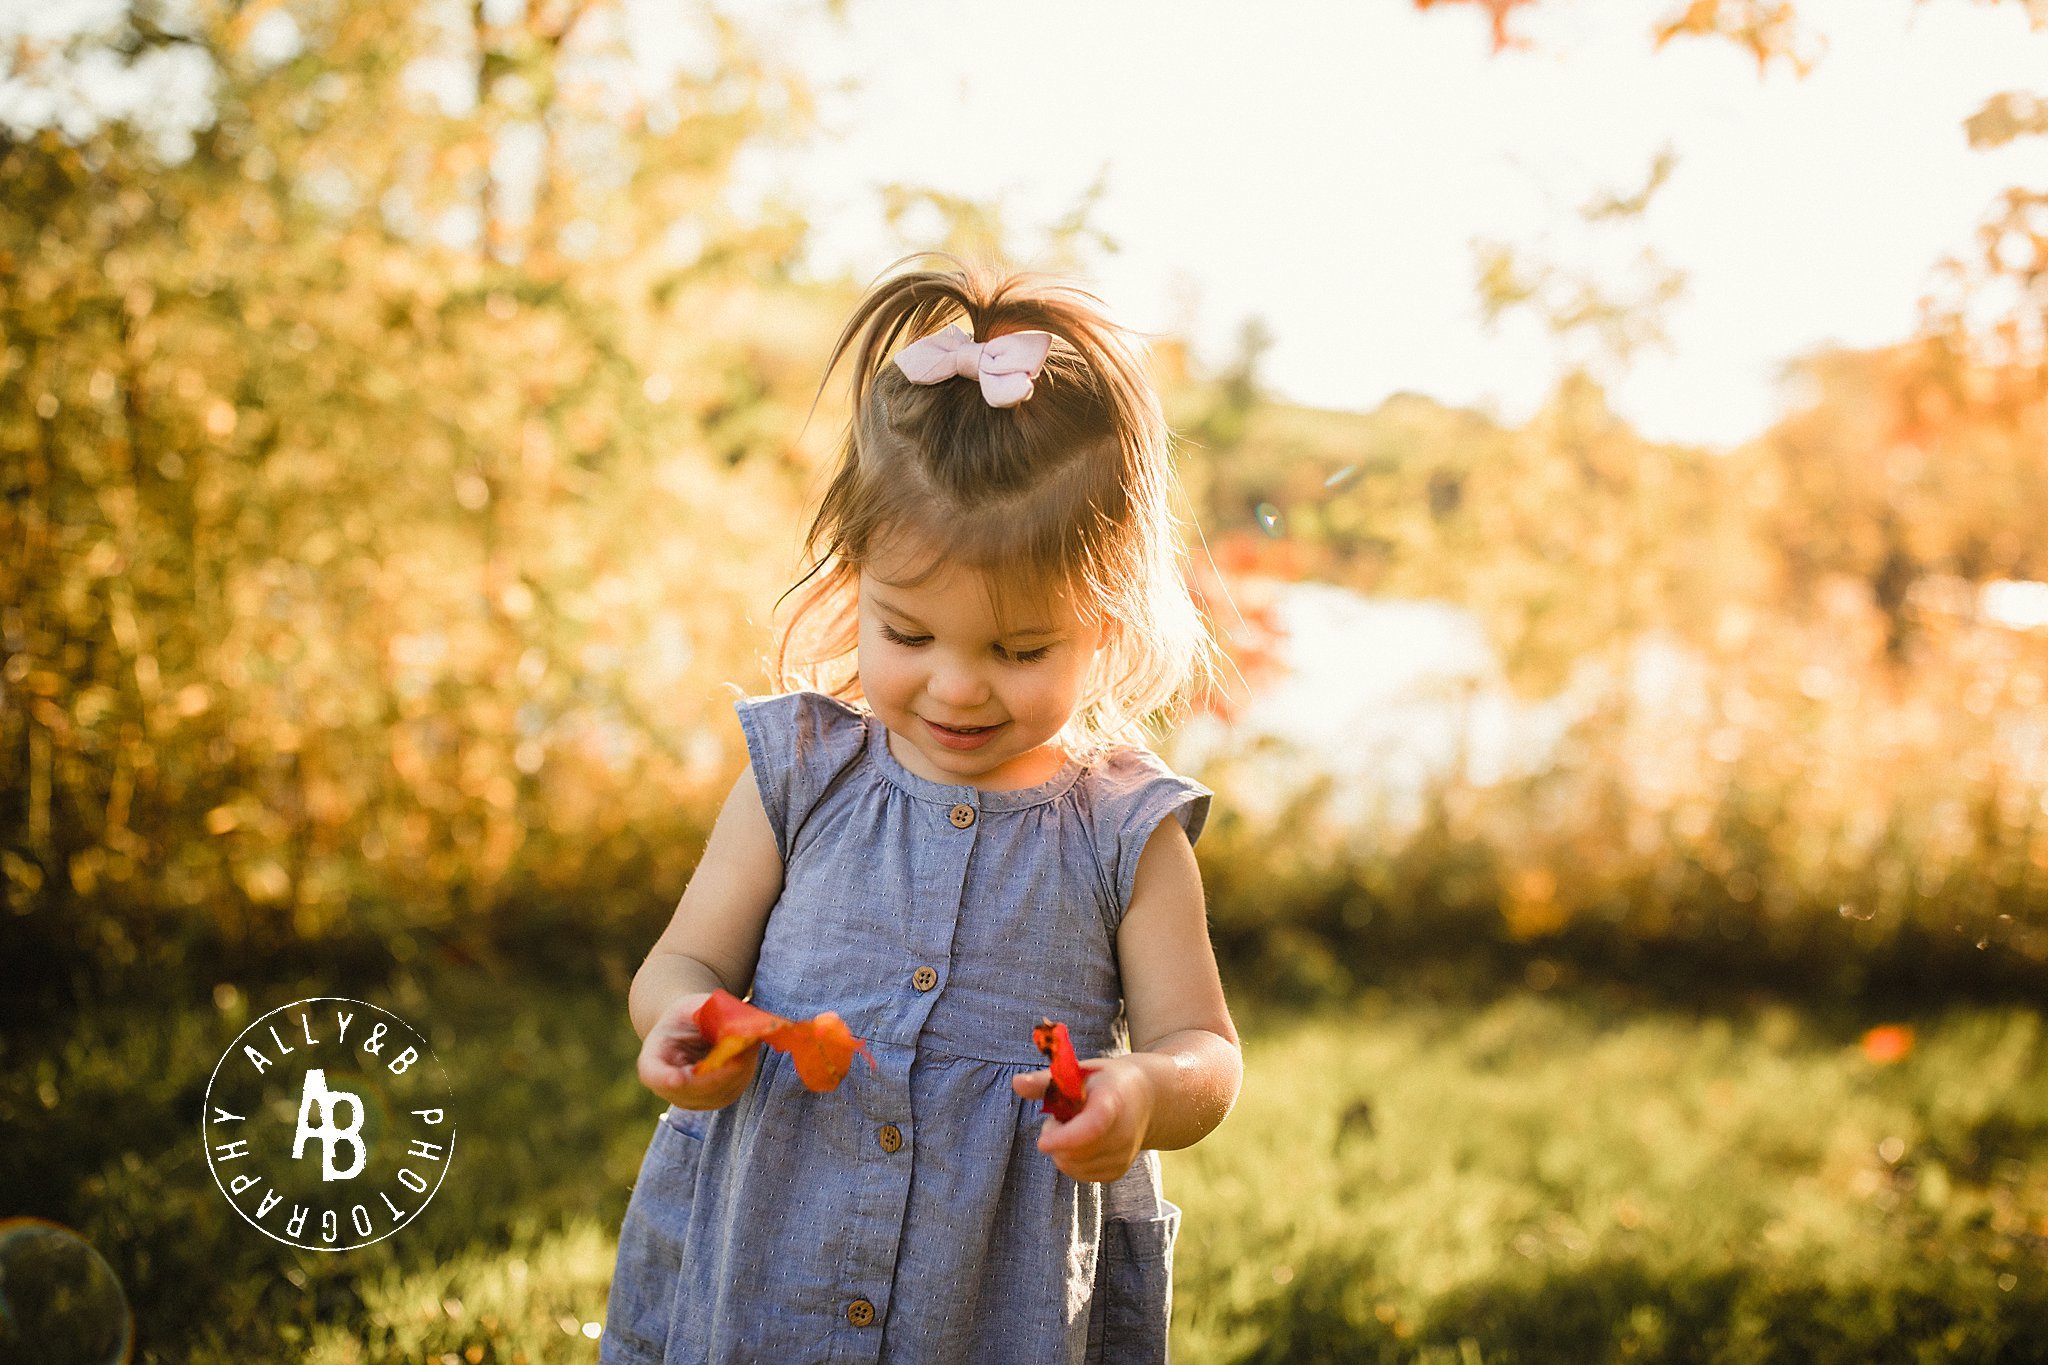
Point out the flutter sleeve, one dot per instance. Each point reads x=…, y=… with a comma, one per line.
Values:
x=1137, y=791
x=798, y=743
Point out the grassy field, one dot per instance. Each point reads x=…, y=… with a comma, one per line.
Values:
x=1518, y=1176
x=1536, y=1178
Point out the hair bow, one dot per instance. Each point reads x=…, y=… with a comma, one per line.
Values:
x=1006, y=365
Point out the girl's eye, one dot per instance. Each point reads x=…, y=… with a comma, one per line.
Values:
x=1029, y=656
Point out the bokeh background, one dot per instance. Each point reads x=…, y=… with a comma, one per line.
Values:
x=1617, y=452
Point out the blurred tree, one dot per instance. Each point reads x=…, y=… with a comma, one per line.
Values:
x=1915, y=460
x=380, y=491
x=1909, y=463
x=1994, y=305
x=1601, y=330
x=927, y=218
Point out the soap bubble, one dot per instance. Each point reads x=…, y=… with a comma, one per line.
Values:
x=60, y=1302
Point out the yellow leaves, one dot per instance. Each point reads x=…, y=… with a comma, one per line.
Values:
x=1497, y=12
x=265, y=881
x=1769, y=29
x=2007, y=115
x=1530, y=905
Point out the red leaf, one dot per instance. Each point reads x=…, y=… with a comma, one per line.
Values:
x=1064, y=1096
x=822, y=1047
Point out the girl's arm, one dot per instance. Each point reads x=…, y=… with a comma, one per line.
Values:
x=712, y=941
x=1183, y=1073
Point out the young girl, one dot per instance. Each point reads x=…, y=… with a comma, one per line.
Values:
x=950, y=841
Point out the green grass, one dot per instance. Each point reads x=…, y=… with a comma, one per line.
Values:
x=509, y=1262
x=1527, y=1177
x=1583, y=1179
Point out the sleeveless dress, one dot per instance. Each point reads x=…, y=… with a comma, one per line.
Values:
x=908, y=1216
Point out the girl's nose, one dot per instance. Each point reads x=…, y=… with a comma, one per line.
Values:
x=957, y=686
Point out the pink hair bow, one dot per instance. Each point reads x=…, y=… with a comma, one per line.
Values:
x=1006, y=365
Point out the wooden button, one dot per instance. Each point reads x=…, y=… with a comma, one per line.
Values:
x=860, y=1312
x=891, y=1138
x=924, y=978
x=961, y=816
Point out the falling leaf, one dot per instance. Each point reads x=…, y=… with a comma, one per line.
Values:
x=1888, y=1043
x=1063, y=1096
x=821, y=1047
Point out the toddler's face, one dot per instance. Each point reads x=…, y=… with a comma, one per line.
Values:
x=964, y=700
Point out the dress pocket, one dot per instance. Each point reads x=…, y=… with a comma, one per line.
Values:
x=1134, y=1288
x=651, y=1243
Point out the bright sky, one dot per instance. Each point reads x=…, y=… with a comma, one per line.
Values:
x=1326, y=164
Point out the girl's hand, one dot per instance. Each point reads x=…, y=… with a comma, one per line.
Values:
x=669, y=1055
x=1101, y=1141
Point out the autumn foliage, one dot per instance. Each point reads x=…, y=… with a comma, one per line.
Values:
x=376, y=557
x=1065, y=1093
x=821, y=1048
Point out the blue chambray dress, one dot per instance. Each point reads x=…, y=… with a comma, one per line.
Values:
x=908, y=1216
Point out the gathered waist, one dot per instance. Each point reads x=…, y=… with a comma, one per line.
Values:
x=945, y=1050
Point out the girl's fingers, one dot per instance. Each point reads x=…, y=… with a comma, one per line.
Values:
x=1090, y=1125
x=720, y=1077
x=1085, y=1171
x=660, y=1077
x=670, y=1067
x=682, y=1049
x=1032, y=1084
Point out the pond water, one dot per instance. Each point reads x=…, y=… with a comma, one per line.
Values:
x=1384, y=695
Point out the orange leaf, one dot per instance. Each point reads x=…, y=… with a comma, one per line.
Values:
x=1498, y=10
x=822, y=1047
x=1888, y=1043
x=1064, y=1096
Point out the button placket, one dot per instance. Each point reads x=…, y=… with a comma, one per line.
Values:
x=876, y=1206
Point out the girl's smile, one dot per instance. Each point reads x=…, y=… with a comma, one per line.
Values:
x=962, y=738
x=968, y=699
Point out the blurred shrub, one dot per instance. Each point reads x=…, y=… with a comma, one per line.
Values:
x=380, y=536
x=1804, y=752
x=377, y=543
x=1605, y=1309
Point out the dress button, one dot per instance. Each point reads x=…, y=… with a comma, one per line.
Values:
x=891, y=1138
x=860, y=1312
x=924, y=978
x=961, y=816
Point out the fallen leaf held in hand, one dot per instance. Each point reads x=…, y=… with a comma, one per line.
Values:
x=1064, y=1096
x=821, y=1047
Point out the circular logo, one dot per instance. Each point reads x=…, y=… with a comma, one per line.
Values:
x=327, y=1124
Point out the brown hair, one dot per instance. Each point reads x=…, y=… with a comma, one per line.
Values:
x=1072, y=490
